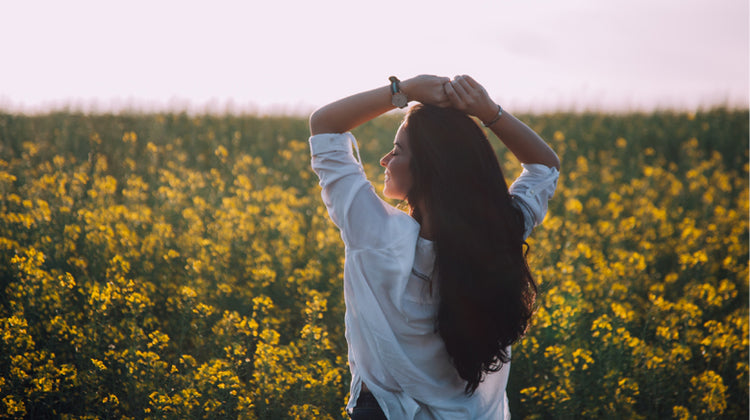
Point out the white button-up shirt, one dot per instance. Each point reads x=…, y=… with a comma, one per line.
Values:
x=390, y=310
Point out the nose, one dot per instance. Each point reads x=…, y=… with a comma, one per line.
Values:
x=384, y=160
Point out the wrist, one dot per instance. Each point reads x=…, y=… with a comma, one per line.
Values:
x=399, y=98
x=491, y=117
x=407, y=87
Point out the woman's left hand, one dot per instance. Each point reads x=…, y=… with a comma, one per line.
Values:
x=470, y=97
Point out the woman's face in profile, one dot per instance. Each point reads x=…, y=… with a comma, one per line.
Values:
x=398, y=179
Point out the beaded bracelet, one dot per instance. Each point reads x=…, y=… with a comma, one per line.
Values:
x=499, y=114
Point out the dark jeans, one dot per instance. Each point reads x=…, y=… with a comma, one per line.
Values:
x=367, y=408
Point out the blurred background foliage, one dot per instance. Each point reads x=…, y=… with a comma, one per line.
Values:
x=178, y=266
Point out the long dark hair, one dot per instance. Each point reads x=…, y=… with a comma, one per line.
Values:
x=486, y=290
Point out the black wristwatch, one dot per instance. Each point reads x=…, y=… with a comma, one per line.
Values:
x=398, y=98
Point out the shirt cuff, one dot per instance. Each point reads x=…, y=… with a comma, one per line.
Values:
x=540, y=169
x=535, y=179
x=330, y=142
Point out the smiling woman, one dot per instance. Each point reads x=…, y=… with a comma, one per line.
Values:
x=396, y=163
x=434, y=299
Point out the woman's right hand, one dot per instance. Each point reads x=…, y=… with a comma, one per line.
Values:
x=427, y=89
x=346, y=113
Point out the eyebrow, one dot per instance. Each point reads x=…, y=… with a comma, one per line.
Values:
x=397, y=144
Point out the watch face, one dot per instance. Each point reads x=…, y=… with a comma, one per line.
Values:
x=399, y=99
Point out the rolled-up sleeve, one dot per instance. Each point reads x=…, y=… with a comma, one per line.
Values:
x=531, y=192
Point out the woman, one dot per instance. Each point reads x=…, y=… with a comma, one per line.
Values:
x=434, y=298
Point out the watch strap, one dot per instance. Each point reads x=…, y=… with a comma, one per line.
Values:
x=395, y=85
x=398, y=98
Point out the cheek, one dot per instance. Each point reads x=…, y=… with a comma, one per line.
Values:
x=404, y=174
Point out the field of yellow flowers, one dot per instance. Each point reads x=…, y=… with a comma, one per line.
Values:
x=176, y=266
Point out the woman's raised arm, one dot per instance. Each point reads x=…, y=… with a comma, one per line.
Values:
x=345, y=114
x=469, y=96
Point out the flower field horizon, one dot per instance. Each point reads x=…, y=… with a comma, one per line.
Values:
x=184, y=266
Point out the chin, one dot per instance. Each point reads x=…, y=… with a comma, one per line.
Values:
x=390, y=195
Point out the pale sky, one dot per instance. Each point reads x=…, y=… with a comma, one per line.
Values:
x=289, y=56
